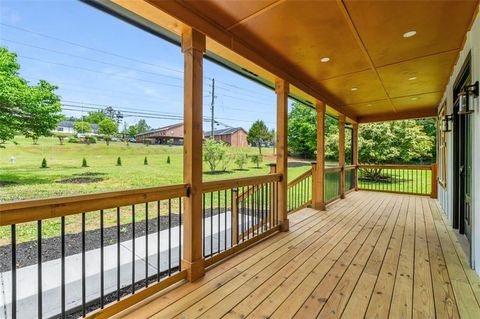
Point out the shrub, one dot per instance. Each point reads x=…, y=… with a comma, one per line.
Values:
x=170, y=142
x=90, y=139
x=215, y=154
x=84, y=162
x=72, y=139
x=168, y=159
x=44, y=163
x=241, y=159
x=257, y=159
x=119, y=161
x=145, y=161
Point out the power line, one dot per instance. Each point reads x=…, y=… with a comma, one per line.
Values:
x=89, y=48
x=94, y=60
x=99, y=72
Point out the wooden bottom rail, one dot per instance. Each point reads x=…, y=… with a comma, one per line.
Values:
x=140, y=295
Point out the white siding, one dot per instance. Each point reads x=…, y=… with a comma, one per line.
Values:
x=472, y=45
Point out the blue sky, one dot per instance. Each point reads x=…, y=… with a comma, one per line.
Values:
x=98, y=60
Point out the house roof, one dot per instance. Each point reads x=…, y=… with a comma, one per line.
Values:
x=164, y=128
x=225, y=131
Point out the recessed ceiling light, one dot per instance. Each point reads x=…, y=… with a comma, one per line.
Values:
x=325, y=59
x=354, y=89
x=414, y=98
x=409, y=34
x=412, y=78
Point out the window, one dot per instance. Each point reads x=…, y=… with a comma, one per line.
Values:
x=442, y=148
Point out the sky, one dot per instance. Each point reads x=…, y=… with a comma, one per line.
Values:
x=97, y=60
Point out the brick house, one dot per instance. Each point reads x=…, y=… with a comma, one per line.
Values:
x=162, y=135
x=235, y=136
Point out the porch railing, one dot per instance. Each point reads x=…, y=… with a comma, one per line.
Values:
x=300, y=192
x=95, y=254
x=406, y=179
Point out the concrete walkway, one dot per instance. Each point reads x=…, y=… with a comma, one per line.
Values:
x=27, y=277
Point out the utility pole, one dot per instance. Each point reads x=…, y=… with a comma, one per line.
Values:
x=212, y=108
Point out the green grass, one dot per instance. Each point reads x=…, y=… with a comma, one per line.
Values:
x=65, y=161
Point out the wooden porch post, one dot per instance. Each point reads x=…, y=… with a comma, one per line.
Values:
x=318, y=179
x=341, y=153
x=193, y=48
x=355, y=153
x=281, y=89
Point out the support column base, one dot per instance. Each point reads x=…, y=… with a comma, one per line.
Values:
x=285, y=226
x=342, y=196
x=319, y=206
x=195, y=270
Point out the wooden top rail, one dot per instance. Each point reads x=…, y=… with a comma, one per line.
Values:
x=39, y=209
x=348, y=167
x=411, y=167
x=300, y=178
x=239, y=182
x=332, y=169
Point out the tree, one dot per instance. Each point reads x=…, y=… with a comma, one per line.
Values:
x=302, y=130
x=131, y=132
x=241, y=159
x=259, y=134
x=112, y=114
x=392, y=143
x=214, y=153
x=142, y=126
x=95, y=117
x=61, y=137
x=257, y=159
x=30, y=110
x=108, y=128
x=82, y=127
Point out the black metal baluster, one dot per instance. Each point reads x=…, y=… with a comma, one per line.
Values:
x=102, y=263
x=133, y=249
x=252, y=212
x=179, y=234
x=243, y=214
x=203, y=220
x=169, y=236
x=146, y=244
x=158, y=240
x=211, y=223
x=39, y=268
x=263, y=208
x=13, y=234
x=225, y=217
x=218, y=221
x=63, y=265
x=84, y=284
x=118, y=253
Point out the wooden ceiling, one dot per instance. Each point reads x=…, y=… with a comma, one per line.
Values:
x=394, y=76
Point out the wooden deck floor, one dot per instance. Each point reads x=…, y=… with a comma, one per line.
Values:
x=372, y=255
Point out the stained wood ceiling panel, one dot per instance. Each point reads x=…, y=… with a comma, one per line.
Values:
x=422, y=75
x=440, y=27
x=416, y=102
x=303, y=33
x=372, y=108
x=228, y=13
x=369, y=88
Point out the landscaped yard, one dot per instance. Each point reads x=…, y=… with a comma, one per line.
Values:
x=65, y=175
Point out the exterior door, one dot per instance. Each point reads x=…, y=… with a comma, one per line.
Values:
x=463, y=138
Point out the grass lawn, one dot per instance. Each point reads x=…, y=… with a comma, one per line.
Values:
x=26, y=180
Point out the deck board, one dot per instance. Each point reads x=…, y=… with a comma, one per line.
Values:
x=372, y=255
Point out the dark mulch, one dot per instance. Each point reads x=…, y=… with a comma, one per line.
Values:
x=88, y=174
x=80, y=180
x=27, y=252
x=7, y=183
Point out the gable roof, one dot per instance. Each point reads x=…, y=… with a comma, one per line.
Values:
x=225, y=131
x=164, y=128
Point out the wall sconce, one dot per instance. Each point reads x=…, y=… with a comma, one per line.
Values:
x=464, y=98
x=446, y=119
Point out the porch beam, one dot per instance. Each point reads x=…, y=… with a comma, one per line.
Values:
x=318, y=173
x=193, y=48
x=282, y=89
x=341, y=153
x=355, y=153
